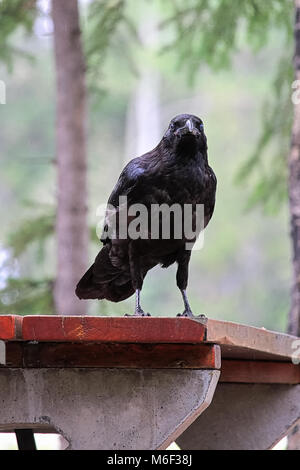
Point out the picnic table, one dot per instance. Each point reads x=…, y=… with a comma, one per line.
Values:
x=127, y=383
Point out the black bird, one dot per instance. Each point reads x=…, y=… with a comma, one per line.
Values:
x=175, y=172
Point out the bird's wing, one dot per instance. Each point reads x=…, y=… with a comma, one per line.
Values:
x=131, y=176
x=210, y=203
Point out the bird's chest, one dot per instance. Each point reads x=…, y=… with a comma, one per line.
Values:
x=185, y=186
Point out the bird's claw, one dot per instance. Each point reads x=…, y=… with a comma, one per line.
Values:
x=189, y=314
x=138, y=313
x=186, y=313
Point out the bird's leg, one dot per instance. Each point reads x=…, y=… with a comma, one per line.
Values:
x=138, y=309
x=137, y=281
x=187, y=309
x=182, y=280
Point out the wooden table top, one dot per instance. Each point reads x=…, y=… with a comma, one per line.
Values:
x=247, y=353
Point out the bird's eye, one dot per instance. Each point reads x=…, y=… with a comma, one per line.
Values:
x=200, y=127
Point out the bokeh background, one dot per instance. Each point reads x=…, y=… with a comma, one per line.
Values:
x=139, y=77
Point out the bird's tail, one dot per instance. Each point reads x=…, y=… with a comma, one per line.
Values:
x=105, y=281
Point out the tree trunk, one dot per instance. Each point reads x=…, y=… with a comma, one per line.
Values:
x=294, y=189
x=294, y=199
x=71, y=219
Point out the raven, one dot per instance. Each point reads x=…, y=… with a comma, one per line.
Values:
x=175, y=174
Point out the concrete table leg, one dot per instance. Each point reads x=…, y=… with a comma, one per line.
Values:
x=244, y=416
x=106, y=408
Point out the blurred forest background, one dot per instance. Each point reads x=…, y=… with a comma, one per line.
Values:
x=229, y=63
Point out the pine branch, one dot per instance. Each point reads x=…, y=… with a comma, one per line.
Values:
x=27, y=296
x=209, y=33
x=270, y=187
x=15, y=14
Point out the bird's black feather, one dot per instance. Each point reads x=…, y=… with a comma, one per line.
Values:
x=175, y=172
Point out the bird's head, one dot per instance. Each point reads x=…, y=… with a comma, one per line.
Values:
x=186, y=134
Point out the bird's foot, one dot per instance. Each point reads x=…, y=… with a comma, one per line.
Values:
x=138, y=313
x=186, y=313
x=189, y=314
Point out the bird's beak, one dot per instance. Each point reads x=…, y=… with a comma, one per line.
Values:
x=189, y=128
x=189, y=125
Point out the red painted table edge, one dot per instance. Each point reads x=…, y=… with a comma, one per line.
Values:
x=10, y=327
x=102, y=329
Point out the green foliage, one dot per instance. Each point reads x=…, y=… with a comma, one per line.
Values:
x=13, y=15
x=210, y=31
x=108, y=29
x=268, y=177
x=33, y=230
x=27, y=297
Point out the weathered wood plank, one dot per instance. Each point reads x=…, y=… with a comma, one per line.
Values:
x=248, y=342
x=259, y=372
x=110, y=329
x=119, y=355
